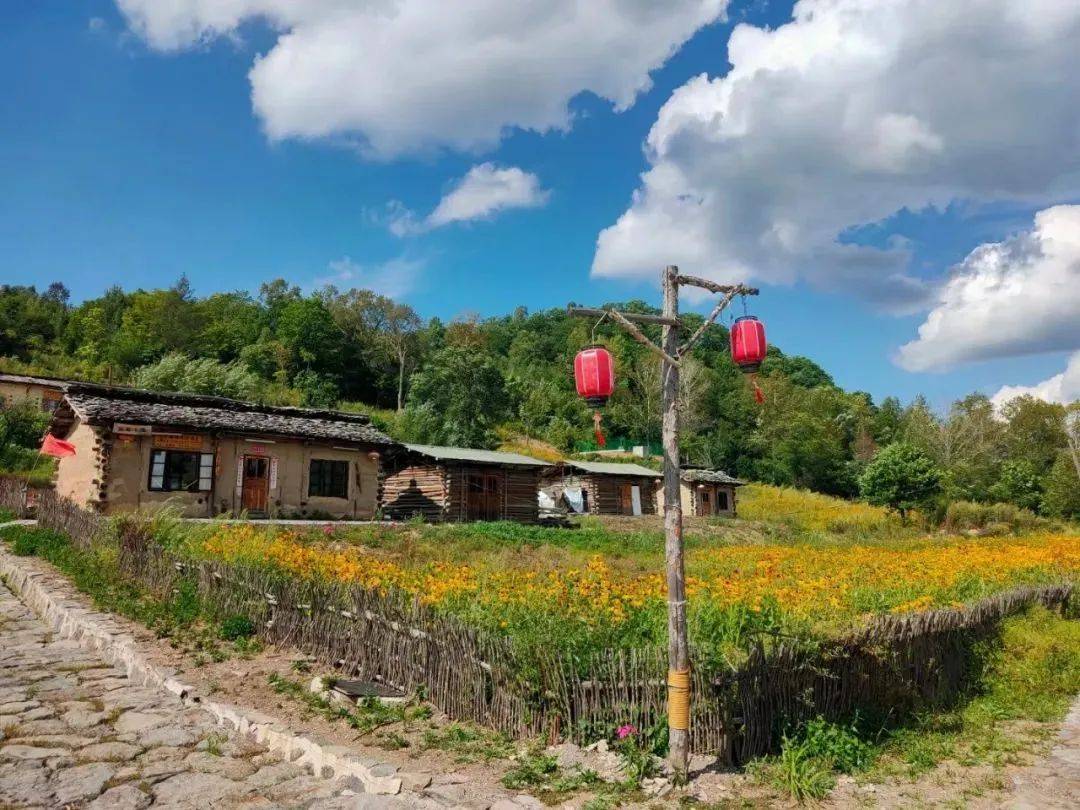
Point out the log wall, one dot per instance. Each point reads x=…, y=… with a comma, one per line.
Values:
x=418, y=489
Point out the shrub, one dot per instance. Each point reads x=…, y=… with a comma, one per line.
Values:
x=990, y=518
x=237, y=627
x=28, y=541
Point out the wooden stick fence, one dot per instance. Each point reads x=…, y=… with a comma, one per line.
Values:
x=892, y=666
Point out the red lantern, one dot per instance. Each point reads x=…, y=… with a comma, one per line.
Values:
x=748, y=343
x=594, y=372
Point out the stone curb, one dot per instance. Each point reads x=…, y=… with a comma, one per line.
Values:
x=53, y=598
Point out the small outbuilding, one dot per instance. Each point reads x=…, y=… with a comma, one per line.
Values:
x=604, y=488
x=461, y=484
x=210, y=455
x=44, y=392
x=707, y=493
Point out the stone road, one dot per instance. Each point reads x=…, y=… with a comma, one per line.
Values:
x=76, y=732
x=1055, y=781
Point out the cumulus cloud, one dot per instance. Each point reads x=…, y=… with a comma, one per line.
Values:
x=1063, y=388
x=403, y=76
x=484, y=191
x=394, y=278
x=1016, y=297
x=850, y=112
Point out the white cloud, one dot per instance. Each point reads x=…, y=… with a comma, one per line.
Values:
x=484, y=191
x=1063, y=388
x=403, y=76
x=1017, y=297
x=394, y=278
x=850, y=112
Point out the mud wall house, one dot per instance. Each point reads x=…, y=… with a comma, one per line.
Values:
x=461, y=484
x=706, y=493
x=211, y=456
x=604, y=488
x=46, y=393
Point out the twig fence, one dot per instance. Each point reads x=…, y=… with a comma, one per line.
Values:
x=891, y=667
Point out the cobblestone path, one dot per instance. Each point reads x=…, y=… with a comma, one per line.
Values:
x=1055, y=781
x=76, y=732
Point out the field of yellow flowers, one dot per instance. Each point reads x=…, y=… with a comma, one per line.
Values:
x=598, y=589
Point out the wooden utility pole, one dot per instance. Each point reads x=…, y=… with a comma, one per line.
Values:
x=671, y=354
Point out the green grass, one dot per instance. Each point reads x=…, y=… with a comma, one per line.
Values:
x=6, y=515
x=1030, y=676
x=178, y=615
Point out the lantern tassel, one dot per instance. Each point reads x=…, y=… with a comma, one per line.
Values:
x=759, y=395
x=600, y=441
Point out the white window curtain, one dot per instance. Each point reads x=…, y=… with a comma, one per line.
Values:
x=206, y=472
x=157, y=469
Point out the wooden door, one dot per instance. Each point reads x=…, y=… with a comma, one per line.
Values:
x=626, y=499
x=484, y=497
x=256, y=488
x=704, y=505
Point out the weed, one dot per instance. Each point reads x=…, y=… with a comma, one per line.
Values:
x=235, y=628
x=467, y=743
x=796, y=771
x=214, y=743
x=541, y=775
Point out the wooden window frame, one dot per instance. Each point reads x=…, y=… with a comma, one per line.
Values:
x=159, y=470
x=327, y=479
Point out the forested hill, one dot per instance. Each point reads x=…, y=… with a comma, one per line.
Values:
x=476, y=381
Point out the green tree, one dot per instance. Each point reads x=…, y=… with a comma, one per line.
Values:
x=458, y=398
x=1061, y=496
x=1018, y=483
x=902, y=477
x=311, y=337
x=230, y=323
x=178, y=372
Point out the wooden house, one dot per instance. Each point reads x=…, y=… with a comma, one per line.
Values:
x=210, y=455
x=706, y=493
x=604, y=488
x=461, y=484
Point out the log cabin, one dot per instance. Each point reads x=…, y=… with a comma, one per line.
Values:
x=461, y=484
x=604, y=488
x=210, y=456
x=706, y=493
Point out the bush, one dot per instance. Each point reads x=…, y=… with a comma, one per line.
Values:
x=237, y=627
x=28, y=541
x=990, y=518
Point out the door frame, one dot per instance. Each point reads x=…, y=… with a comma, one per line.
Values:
x=245, y=478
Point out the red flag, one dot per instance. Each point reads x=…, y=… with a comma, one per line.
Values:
x=53, y=446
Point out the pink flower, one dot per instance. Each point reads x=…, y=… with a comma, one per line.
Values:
x=328, y=530
x=625, y=731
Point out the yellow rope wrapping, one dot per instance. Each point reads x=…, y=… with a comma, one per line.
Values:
x=678, y=682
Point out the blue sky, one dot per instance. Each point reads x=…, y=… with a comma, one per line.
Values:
x=124, y=164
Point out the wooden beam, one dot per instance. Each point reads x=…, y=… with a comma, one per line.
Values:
x=588, y=312
x=637, y=335
x=712, y=286
x=694, y=338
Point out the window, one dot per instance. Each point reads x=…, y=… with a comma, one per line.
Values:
x=176, y=471
x=722, y=504
x=328, y=479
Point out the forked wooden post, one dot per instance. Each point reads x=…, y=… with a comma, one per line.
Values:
x=671, y=354
x=678, y=644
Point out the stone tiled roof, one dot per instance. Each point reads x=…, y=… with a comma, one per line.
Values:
x=710, y=477
x=105, y=405
x=27, y=379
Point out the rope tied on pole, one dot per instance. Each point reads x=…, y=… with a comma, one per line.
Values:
x=678, y=683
